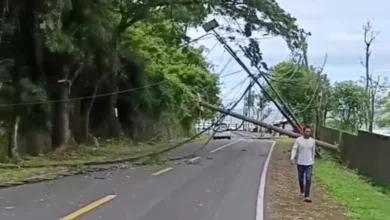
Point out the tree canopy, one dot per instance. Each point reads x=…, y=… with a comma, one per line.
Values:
x=347, y=106
x=298, y=87
x=72, y=70
x=315, y=101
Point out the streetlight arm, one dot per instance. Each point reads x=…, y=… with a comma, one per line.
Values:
x=196, y=39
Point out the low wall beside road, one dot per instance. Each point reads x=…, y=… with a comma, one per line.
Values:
x=367, y=152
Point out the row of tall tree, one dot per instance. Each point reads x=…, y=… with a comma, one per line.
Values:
x=346, y=105
x=72, y=70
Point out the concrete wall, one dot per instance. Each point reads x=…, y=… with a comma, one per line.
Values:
x=367, y=152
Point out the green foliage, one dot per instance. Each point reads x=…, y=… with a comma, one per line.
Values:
x=103, y=46
x=347, y=106
x=298, y=87
x=184, y=72
x=265, y=16
x=383, y=111
x=30, y=93
x=352, y=191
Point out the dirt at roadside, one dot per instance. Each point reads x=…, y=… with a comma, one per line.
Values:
x=285, y=202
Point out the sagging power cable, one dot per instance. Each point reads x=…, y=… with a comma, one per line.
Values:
x=239, y=61
x=297, y=126
x=221, y=118
x=252, y=55
x=238, y=127
x=238, y=86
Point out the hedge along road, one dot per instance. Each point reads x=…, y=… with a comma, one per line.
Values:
x=221, y=182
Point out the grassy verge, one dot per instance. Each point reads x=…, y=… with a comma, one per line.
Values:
x=362, y=200
x=13, y=175
x=71, y=158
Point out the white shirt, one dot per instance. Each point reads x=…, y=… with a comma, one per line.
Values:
x=303, y=151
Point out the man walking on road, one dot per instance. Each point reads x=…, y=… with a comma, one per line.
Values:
x=303, y=153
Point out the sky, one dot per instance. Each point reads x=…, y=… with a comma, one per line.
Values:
x=336, y=29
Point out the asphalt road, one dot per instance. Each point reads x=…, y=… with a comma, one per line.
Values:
x=254, y=135
x=221, y=183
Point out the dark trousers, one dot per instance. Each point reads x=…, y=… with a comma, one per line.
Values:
x=304, y=179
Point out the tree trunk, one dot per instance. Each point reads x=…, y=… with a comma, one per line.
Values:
x=115, y=128
x=13, y=138
x=75, y=119
x=88, y=109
x=14, y=128
x=372, y=113
x=60, y=115
x=367, y=88
x=110, y=123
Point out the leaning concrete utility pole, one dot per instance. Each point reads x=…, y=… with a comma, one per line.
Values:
x=210, y=26
x=265, y=125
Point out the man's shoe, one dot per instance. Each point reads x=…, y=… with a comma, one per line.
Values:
x=302, y=195
x=307, y=199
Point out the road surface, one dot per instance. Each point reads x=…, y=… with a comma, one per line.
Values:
x=222, y=183
x=253, y=135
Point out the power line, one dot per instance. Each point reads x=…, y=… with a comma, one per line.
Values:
x=224, y=66
x=232, y=53
x=203, y=37
x=281, y=79
x=312, y=99
x=232, y=73
x=295, y=124
x=98, y=95
x=212, y=48
x=82, y=97
x=241, y=83
x=295, y=121
x=221, y=118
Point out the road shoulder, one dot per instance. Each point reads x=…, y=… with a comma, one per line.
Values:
x=285, y=203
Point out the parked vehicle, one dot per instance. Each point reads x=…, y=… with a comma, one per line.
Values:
x=222, y=132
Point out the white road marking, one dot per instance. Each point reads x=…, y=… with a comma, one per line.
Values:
x=226, y=145
x=260, y=196
x=193, y=159
x=162, y=171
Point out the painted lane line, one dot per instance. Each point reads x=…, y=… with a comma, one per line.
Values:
x=260, y=195
x=224, y=146
x=88, y=208
x=193, y=159
x=162, y=171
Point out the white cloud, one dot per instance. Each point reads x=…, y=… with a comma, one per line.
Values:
x=338, y=35
x=345, y=37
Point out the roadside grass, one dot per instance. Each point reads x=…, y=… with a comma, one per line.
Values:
x=347, y=188
x=362, y=200
x=16, y=175
x=110, y=150
x=285, y=140
x=72, y=158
